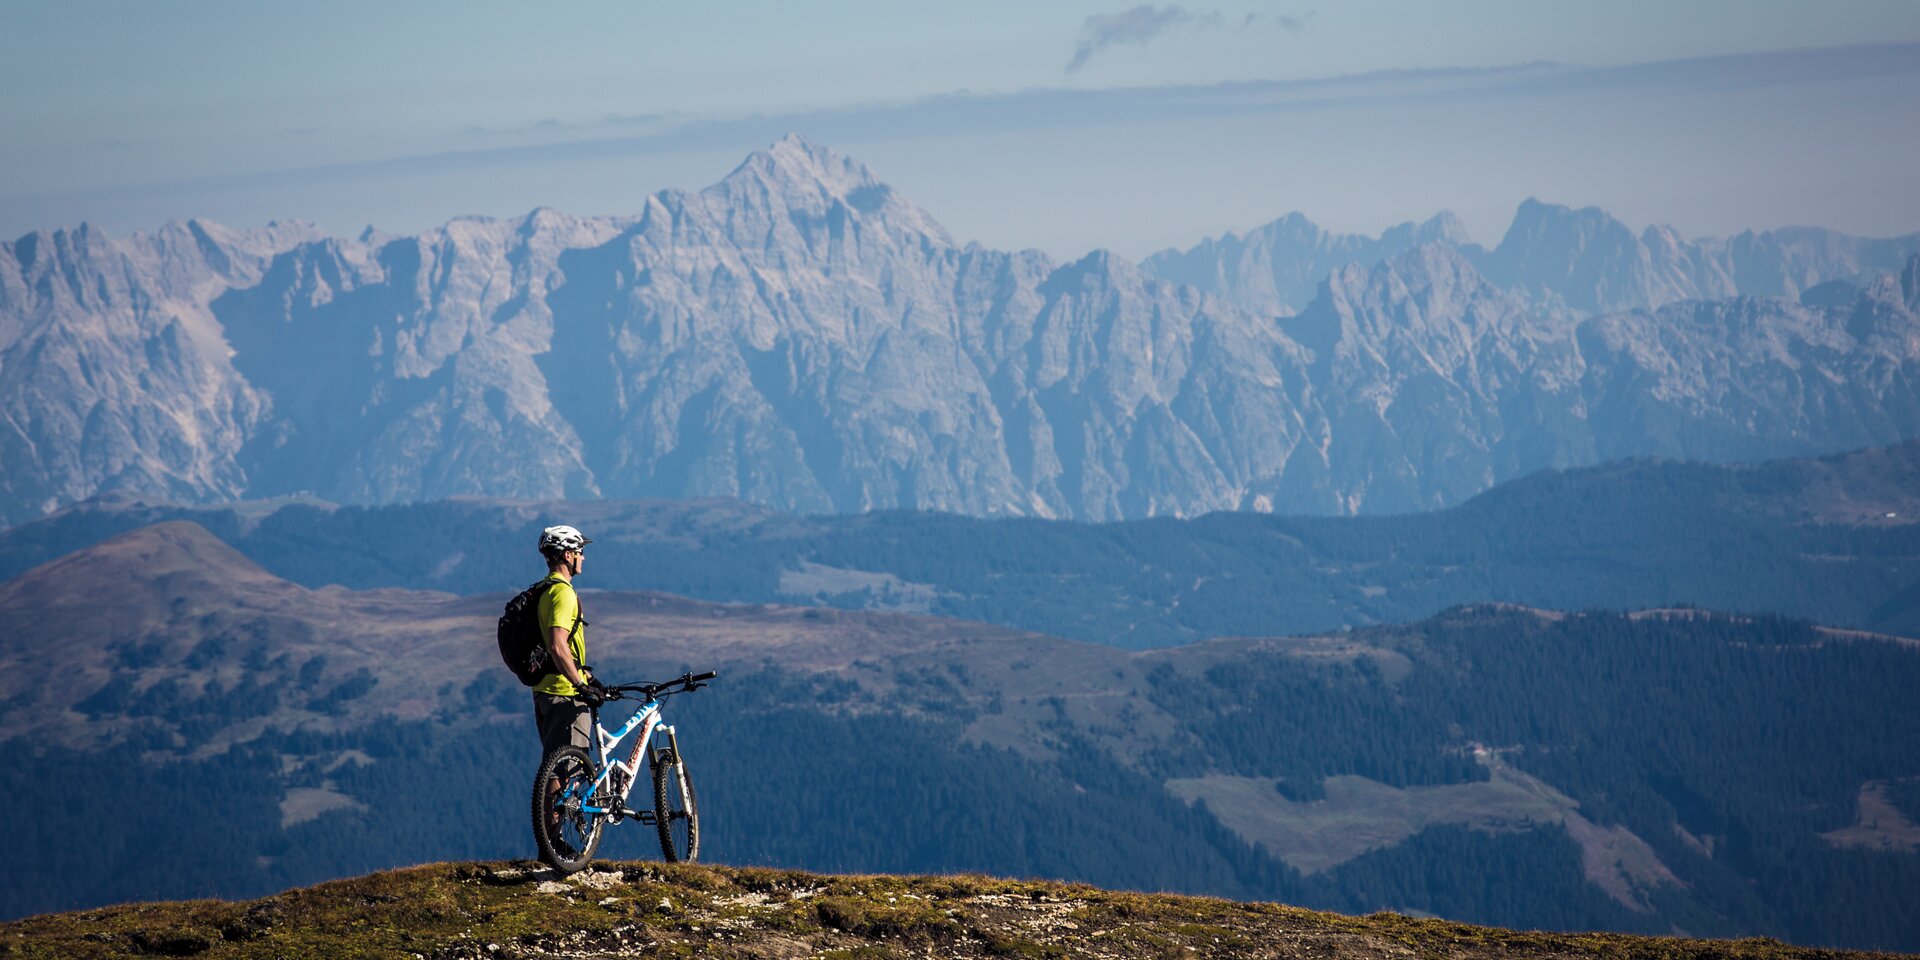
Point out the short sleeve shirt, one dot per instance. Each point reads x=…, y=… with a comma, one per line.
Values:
x=560, y=607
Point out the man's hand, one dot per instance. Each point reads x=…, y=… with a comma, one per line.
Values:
x=594, y=693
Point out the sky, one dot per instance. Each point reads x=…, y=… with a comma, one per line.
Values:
x=1062, y=126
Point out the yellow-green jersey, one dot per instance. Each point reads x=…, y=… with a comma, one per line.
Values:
x=560, y=607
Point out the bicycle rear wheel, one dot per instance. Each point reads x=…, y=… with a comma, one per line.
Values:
x=675, y=813
x=566, y=834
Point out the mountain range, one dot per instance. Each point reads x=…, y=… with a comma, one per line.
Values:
x=216, y=730
x=801, y=336
x=1582, y=259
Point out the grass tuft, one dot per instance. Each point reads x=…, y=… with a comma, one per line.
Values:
x=497, y=911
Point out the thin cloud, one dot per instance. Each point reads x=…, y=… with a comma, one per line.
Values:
x=1136, y=26
x=268, y=192
x=1141, y=25
x=1284, y=21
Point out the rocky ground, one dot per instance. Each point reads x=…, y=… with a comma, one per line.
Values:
x=496, y=911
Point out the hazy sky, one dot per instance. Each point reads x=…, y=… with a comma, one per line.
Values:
x=1064, y=126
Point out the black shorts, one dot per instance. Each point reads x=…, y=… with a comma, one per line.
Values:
x=563, y=721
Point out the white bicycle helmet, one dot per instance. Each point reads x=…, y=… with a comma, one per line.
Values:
x=560, y=539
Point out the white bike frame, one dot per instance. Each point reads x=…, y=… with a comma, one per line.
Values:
x=657, y=733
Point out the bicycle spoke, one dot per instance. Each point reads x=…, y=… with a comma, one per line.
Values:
x=565, y=830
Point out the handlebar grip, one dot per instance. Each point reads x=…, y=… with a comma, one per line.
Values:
x=709, y=675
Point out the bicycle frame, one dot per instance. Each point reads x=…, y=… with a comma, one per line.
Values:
x=649, y=715
x=572, y=791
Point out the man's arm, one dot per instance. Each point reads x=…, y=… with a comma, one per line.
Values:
x=562, y=654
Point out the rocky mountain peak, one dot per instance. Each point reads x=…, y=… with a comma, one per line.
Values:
x=1100, y=262
x=1550, y=237
x=1427, y=295
x=1275, y=269
x=811, y=185
x=1536, y=220
x=1662, y=235
x=65, y=246
x=1292, y=224
x=544, y=221
x=794, y=165
x=198, y=253
x=1442, y=227
x=1894, y=296
x=1595, y=263
x=547, y=232
x=1434, y=268
x=25, y=249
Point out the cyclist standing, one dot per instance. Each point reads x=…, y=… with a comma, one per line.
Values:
x=562, y=698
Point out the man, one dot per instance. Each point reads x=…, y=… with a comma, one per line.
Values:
x=561, y=699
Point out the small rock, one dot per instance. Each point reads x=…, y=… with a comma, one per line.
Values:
x=666, y=906
x=552, y=886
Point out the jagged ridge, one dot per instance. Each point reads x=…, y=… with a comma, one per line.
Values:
x=801, y=336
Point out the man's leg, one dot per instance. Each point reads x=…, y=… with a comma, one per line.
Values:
x=563, y=721
x=547, y=719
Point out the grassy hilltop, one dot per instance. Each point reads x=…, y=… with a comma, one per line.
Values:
x=635, y=909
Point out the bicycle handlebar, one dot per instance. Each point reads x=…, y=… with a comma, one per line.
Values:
x=687, y=682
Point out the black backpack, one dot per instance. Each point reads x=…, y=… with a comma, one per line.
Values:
x=522, y=644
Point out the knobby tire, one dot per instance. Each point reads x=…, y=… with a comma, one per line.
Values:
x=674, y=808
x=568, y=842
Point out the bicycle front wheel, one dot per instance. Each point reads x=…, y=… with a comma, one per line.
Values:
x=566, y=833
x=674, y=811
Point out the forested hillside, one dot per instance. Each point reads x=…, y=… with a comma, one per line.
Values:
x=1833, y=540
x=1671, y=770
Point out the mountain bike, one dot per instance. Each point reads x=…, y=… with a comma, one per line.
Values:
x=575, y=796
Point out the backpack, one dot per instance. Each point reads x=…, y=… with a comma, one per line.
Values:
x=522, y=645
